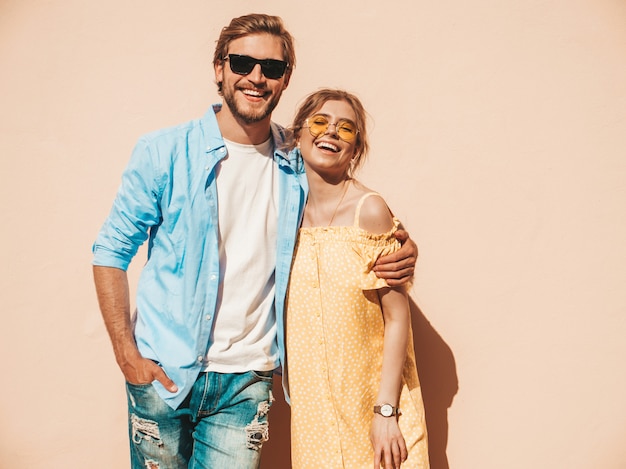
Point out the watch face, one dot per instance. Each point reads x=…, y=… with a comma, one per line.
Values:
x=386, y=410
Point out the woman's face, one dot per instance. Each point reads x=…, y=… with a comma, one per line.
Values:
x=330, y=150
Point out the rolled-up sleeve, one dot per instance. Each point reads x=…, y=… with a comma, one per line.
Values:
x=135, y=210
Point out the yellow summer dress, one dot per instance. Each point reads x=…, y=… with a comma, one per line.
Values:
x=335, y=329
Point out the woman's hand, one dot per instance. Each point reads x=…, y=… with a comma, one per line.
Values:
x=388, y=442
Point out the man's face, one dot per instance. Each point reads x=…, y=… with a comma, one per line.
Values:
x=252, y=98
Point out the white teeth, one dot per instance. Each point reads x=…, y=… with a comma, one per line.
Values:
x=328, y=146
x=255, y=93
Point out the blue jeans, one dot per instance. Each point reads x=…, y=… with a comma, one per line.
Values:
x=221, y=424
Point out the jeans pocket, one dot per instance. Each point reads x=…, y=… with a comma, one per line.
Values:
x=139, y=386
x=264, y=375
x=144, y=400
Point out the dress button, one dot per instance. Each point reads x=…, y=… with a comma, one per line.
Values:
x=199, y=358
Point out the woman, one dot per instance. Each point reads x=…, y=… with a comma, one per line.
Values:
x=350, y=355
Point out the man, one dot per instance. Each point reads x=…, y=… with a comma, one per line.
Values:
x=220, y=204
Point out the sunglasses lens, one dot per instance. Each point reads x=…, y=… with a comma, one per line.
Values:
x=346, y=131
x=273, y=68
x=317, y=125
x=241, y=64
x=244, y=64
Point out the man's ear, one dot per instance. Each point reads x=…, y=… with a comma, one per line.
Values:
x=287, y=78
x=219, y=71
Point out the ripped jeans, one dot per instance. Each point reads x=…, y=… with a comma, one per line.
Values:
x=221, y=424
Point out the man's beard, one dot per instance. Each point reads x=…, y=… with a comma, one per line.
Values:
x=249, y=116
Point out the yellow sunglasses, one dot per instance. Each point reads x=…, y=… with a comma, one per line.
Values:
x=319, y=124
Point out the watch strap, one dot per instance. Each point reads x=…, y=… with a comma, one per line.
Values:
x=394, y=410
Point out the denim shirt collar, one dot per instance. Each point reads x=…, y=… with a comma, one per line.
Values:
x=282, y=155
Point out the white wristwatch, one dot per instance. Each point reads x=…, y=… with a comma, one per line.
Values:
x=386, y=410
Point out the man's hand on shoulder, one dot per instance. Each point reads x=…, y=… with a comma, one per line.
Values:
x=398, y=268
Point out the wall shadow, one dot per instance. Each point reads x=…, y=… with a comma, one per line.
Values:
x=437, y=371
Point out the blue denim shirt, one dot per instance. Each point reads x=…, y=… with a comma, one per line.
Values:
x=168, y=195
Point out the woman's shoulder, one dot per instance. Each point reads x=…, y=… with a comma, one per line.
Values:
x=372, y=212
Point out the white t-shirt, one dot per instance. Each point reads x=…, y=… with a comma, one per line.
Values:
x=244, y=332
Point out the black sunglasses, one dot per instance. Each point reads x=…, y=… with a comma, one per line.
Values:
x=244, y=64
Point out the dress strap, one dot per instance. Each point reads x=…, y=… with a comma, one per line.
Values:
x=357, y=213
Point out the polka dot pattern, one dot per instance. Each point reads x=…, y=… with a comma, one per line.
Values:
x=334, y=335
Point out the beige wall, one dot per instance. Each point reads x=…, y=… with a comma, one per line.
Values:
x=499, y=138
